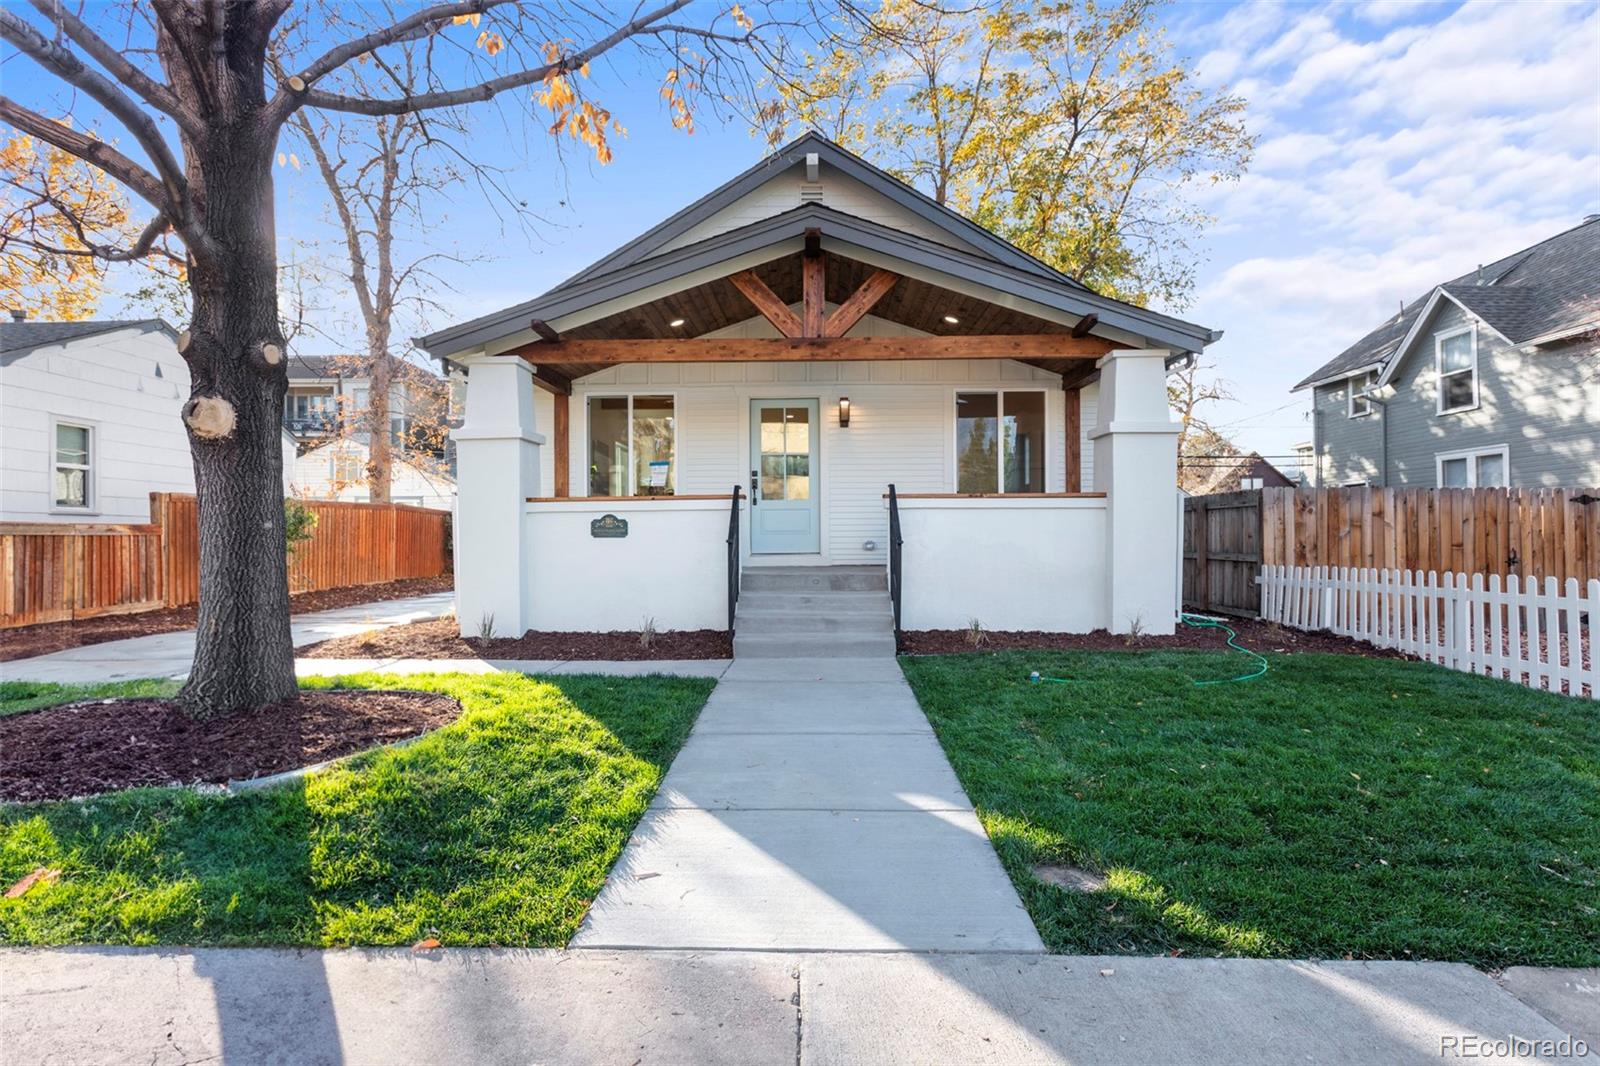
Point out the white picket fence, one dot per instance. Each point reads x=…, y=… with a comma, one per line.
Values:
x=1542, y=637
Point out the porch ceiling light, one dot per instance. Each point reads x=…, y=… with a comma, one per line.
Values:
x=675, y=323
x=953, y=320
x=844, y=412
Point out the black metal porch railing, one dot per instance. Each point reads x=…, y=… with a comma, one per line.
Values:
x=733, y=558
x=895, y=578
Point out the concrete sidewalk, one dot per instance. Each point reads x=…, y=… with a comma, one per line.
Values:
x=170, y=654
x=811, y=809
x=246, y=1006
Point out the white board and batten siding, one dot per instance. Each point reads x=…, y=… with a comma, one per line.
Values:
x=1541, y=634
x=788, y=191
x=127, y=386
x=902, y=430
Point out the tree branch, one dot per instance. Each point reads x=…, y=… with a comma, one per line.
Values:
x=154, y=93
x=174, y=200
x=139, y=250
x=290, y=97
x=85, y=147
x=493, y=87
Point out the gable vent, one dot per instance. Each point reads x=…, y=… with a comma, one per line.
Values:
x=811, y=194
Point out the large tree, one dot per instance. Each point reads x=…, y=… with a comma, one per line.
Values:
x=1070, y=129
x=202, y=124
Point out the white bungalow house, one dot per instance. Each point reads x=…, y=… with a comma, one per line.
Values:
x=89, y=420
x=728, y=399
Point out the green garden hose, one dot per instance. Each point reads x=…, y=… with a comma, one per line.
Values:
x=1199, y=621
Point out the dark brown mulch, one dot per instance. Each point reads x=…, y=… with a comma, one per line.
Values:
x=78, y=749
x=440, y=639
x=1253, y=633
x=24, y=641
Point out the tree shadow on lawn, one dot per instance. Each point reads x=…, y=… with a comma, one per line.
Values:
x=1338, y=806
x=497, y=829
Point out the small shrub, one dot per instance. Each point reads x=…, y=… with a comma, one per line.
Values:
x=299, y=523
x=647, y=633
x=977, y=636
x=486, y=627
x=1135, y=631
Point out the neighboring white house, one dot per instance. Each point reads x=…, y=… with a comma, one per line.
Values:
x=809, y=334
x=89, y=420
x=337, y=471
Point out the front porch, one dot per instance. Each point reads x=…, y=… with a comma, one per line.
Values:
x=728, y=393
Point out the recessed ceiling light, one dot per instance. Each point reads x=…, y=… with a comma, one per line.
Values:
x=675, y=323
x=952, y=319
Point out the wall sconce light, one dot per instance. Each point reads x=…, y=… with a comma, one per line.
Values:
x=844, y=412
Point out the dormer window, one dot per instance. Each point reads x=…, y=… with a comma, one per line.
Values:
x=1456, y=359
x=1361, y=386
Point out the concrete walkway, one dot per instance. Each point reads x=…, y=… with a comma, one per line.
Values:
x=252, y=1006
x=170, y=654
x=811, y=809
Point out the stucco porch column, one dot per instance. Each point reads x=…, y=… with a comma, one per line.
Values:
x=1136, y=466
x=497, y=469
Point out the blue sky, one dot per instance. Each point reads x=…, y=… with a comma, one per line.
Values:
x=1401, y=143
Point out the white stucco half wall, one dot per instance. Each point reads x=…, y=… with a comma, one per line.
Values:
x=671, y=568
x=1017, y=564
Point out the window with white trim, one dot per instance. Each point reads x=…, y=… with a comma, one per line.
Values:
x=1000, y=441
x=1360, y=394
x=1456, y=361
x=633, y=446
x=72, y=466
x=1483, y=469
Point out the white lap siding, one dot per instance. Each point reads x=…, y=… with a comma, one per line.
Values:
x=902, y=429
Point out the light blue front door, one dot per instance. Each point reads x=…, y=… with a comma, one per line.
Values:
x=785, y=501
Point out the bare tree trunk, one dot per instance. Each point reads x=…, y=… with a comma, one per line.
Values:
x=244, y=656
x=380, y=451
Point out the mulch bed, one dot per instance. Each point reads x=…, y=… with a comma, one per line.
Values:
x=78, y=749
x=1254, y=634
x=25, y=641
x=441, y=639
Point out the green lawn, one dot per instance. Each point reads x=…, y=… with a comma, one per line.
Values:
x=1338, y=806
x=19, y=696
x=497, y=829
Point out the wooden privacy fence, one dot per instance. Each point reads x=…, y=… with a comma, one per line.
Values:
x=1222, y=552
x=1537, y=633
x=52, y=572
x=1510, y=532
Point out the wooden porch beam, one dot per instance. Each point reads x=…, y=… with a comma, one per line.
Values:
x=559, y=429
x=813, y=295
x=767, y=302
x=859, y=303
x=551, y=381
x=808, y=349
x=1085, y=324
x=545, y=331
x=1073, y=428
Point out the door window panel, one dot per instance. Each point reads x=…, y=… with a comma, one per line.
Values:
x=785, y=453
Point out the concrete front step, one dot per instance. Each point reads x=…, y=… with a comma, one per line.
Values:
x=790, y=645
x=777, y=623
x=814, y=579
x=829, y=603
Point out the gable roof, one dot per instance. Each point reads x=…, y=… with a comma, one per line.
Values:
x=847, y=163
x=304, y=368
x=1549, y=288
x=586, y=291
x=17, y=337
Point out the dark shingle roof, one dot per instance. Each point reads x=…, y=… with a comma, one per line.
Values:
x=1548, y=288
x=21, y=336
x=324, y=367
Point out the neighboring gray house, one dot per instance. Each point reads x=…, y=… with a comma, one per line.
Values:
x=1492, y=378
